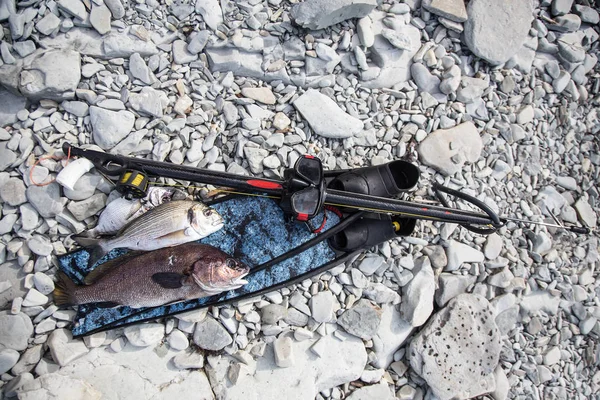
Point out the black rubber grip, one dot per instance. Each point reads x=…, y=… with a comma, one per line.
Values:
x=580, y=230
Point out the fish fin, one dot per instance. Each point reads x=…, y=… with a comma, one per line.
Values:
x=169, y=280
x=64, y=291
x=94, y=247
x=86, y=241
x=94, y=275
x=177, y=235
x=107, y=304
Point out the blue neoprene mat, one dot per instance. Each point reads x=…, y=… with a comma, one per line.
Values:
x=255, y=231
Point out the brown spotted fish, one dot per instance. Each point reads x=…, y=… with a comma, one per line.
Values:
x=148, y=279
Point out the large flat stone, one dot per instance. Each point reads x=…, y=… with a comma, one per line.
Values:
x=319, y=14
x=459, y=349
x=10, y=104
x=51, y=74
x=447, y=150
x=325, y=117
x=339, y=362
x=496, y=30
x=90, y=43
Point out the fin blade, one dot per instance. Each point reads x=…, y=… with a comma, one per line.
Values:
x=168, y=280
x=64, y=291
x=97, y=273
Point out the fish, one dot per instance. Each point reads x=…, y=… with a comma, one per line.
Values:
x=170, y=224
x=155, y=278
x=121, y=211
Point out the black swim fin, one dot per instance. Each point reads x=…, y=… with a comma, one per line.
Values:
x=384, y=180
x=370, y=231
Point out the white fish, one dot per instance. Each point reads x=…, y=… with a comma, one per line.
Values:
x=121, y=211
x=169, y=224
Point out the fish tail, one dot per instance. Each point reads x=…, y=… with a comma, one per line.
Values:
x=95, y=248
x=64, y=291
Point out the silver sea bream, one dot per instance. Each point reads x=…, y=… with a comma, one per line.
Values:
x=170, y=224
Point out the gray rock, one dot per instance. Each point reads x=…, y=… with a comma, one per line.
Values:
x=100, y=18
x=370, y=264
x=40, y=245
x=116, y=8
x=29, y=217
x=548, y=198
x=10, y=104
x=8, y=358
x=362, y=319
x=82, y=210
x=77, y=108
x=110, y=127
x=417, y=296
x=450, y=286
x=15, y=331
x=364, y=32
x=397, y=39
x=6, y=54
x=459, y=349
x=210, y=335
x=7, y=223
x=586, y=213
x=143, y=335
x=573, y=53
x=48, y=24
x=471, y=89
x=495, y=31
x=283, y=349
x=561, y=7
x=425, y=80
x=321, y=306
x=63, y=348
x=255, y=158
x=261, y=94
x=493, y=246
x=380, y=391
x=198, y=42
x=75, y=8
x=139, y=69
x=51, y=74
x=459, y=253
x=454, y=10
x=566, y=23
x=211, y=12
x=325, y=117
x=447, y=150
x=24, y=48
x=12, y=192
x=560, y=83
x=319, y=14
x=194, y=360
x=273, y=313
x=90, y=43
x=43, y=283
x=7, y=8
x=587, y=14
x=149, y=101
x=180, y=53
x=45, y=199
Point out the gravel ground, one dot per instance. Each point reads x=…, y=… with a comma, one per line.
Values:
x=497, y=99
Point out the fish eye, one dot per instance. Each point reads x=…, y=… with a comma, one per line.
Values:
x=207, y=212
x=231, y=263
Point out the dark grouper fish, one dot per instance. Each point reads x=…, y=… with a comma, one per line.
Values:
x=187, y=271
